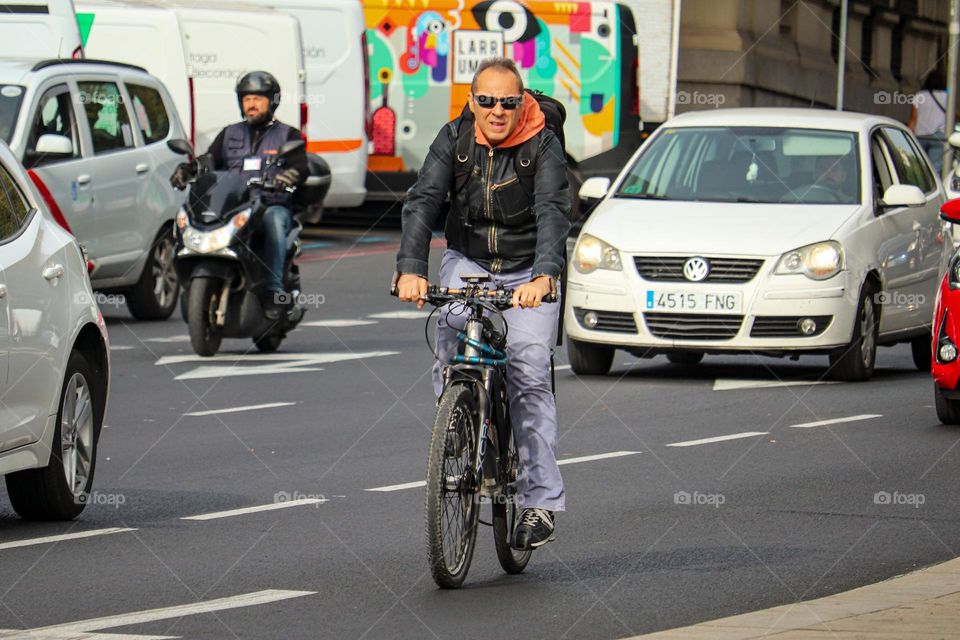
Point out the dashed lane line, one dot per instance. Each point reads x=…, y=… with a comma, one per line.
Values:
x=732, y=436
x=264, y=507
x=66, y=536
x=824, y=423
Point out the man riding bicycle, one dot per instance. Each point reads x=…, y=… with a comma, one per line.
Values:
x=496, y=227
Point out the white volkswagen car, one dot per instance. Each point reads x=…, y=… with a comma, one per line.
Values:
x=768, y=231
x=54, y=356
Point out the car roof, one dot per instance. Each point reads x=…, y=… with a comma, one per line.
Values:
x=31, y=71
x=781, y=117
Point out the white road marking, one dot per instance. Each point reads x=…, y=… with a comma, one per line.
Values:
x=169, y=339
x=422, y=483
x=732, y=436
x=561, y=367
x=264, y=507
x=306, y=358
x=119, y=347
x=67, y=536
x=823, y=423
x=733, y=384
x=253, y=407
x=303, y=363
x=36, y=634
x=337, y=323
x=164, y=613
x=399, y=315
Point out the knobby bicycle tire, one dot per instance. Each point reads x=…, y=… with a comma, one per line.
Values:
x=449, y=500
x=505, y=511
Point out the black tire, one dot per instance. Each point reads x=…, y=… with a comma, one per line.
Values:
x=505, y=514
x=154, y=297
x=201, y=309
x=855, y=361
x=450, y=460
x=948, y=411
x=185, y=301
x=268, y=343
x=921, y=348
x=588, y=359
x=49, y=493
x=685, y=358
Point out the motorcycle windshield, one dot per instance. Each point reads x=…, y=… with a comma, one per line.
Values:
x=217, y=191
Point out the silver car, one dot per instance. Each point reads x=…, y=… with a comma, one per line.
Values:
x=93, y=137
x=54, y=356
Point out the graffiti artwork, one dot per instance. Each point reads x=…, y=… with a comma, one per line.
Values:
x=423, y=54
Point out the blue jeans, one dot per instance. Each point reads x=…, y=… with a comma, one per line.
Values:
x=533, y=407
x=276, y=224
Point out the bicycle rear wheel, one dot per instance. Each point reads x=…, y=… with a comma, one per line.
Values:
x=505, y=513
x=452, y=507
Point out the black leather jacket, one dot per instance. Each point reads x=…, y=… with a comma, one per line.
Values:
x=492, y=221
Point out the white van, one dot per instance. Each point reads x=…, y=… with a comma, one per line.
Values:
x=334, y=49
x=39, y=29
x=133, y=34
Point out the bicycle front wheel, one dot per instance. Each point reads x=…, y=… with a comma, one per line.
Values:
x=452, y=506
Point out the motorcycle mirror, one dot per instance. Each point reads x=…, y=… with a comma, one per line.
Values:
x=178, y=145
x=289, y=147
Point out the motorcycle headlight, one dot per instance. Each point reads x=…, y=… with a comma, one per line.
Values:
x=219, y=238
x=818, y=261
x=181, y=219
x=593, y=253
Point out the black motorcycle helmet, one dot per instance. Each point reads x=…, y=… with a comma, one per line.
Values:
x=259, y=83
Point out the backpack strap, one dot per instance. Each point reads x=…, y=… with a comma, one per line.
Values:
x=525, y=163
x=463, y=155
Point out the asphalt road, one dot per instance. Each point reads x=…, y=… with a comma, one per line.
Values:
x=655, y=536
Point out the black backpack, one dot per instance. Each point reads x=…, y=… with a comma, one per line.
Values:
x=525, y=162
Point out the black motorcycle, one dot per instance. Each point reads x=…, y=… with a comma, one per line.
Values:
x=217, y=252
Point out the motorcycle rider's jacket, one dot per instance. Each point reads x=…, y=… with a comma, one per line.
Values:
x=245, y=149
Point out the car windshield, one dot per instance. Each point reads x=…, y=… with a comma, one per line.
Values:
x=217, y=191
x=11, y=95
x=747, y=164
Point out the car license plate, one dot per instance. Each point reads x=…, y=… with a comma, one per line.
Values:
x=694, y=301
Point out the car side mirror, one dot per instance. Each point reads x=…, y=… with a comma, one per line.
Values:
x=903, y=195
x=181, y=146
x=950, y=211
x=594, y=189
x=954, y=140
x=54, y=145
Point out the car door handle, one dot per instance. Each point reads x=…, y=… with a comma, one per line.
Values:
x=83, y=179
x=143, y=167
x=3, y=291
x=54, y=272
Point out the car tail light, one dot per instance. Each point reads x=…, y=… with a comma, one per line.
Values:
x=304, y=117
x=367, y=118
x=635, y=86
x=78, y=53
x=193, y=113
x=384, y=131
x=50, y=202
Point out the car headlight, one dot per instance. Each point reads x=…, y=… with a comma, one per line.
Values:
x=593, y=253
x=220, y=238
x=818, y=261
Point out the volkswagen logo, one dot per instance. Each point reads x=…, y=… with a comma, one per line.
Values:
x=696, y=269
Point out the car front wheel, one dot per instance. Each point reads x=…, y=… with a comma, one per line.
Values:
x=948, y=411
x=154, y=297
x=59, y=491
x=855, y=361
x=589, y=359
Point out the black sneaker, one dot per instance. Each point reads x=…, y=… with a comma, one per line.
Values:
x=534, y=529
x=275, y=304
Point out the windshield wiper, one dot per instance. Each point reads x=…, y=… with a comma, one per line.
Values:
x=641, y=196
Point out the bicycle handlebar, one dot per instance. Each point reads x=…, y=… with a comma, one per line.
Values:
x=499, y=298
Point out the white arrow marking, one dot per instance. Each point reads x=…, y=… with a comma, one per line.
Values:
x=165, y=613
x=302, y=358
x=300, y=364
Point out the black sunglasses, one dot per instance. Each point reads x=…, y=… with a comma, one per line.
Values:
x=489, y=102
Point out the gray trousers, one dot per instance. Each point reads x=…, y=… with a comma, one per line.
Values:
x=533, y=408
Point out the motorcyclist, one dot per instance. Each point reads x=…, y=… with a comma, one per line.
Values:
x=245, y=147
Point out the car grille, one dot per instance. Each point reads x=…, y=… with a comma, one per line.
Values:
x=693, y=326
x=786, y=326
x=615, y=321
x=670, y=268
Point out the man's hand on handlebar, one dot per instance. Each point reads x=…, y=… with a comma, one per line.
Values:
x=530, y=295
x=412, y=288
x=288, y=178
x=182, y=175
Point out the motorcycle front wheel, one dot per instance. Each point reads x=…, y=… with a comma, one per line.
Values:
x=204, y=296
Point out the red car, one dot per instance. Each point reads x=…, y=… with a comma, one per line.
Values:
x=946, y=332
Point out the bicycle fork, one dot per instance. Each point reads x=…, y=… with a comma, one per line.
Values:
x=475, y=351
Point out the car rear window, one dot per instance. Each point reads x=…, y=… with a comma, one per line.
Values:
x=747, y=164
x=11, y=97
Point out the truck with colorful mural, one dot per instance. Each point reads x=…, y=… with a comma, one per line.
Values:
x=423, y=53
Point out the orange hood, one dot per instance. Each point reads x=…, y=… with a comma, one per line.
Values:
x=531, y=123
